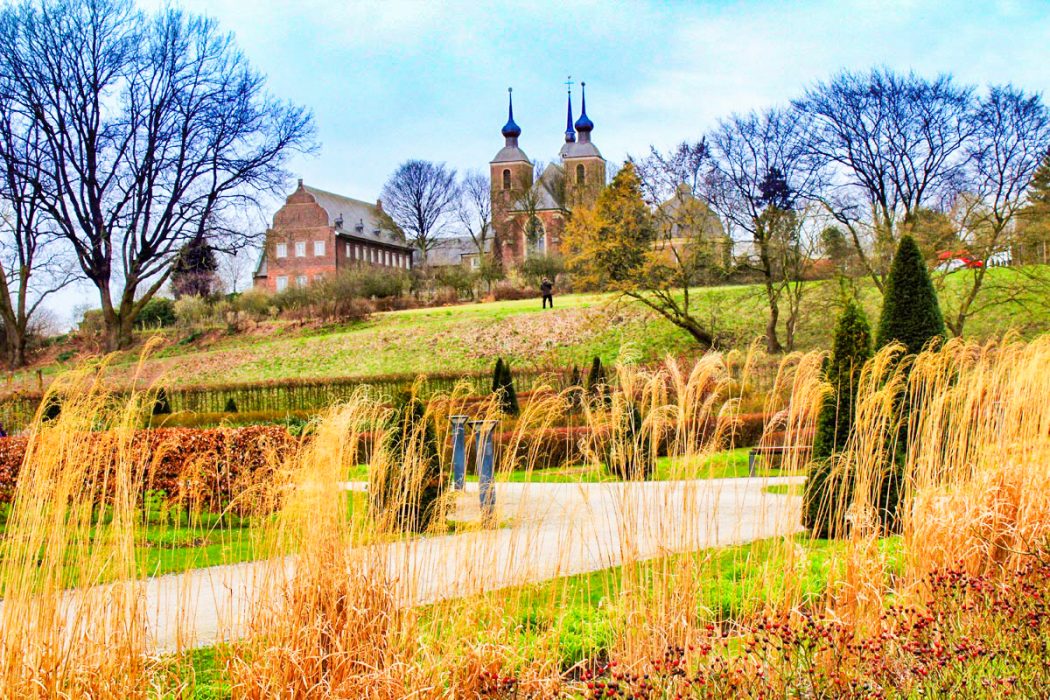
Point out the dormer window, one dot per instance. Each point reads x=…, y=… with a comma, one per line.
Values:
x=506, y=178
x=339, y=221
x=580, y=174
x=360, y=226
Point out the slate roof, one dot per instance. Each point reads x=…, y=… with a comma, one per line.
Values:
x=451, y=250
x=353, y=218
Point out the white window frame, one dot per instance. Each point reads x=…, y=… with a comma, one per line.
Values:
x=282, y=283
x=348, y=251
x=300, y=249
x=318, y=249
x=301, y=281
x=281, y=250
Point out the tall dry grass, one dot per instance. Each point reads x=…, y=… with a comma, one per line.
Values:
x=343, y=603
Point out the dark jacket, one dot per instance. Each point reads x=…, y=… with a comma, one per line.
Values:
x=546, y=288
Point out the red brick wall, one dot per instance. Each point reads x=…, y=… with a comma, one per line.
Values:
x=299, y=220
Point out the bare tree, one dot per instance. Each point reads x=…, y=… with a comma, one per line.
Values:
x=1010, y=140
x=474, y=209
x=155, y=128
x=32, y=267
x=894, y=144
x=763, y=176
x=421, y=199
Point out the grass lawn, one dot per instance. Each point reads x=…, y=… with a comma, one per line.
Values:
x=471, y=336
x=728, y=464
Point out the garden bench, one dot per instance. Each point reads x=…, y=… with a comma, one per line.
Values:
x=762, y=450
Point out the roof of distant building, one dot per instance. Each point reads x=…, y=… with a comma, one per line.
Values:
x=353, y=218
x=452, y=250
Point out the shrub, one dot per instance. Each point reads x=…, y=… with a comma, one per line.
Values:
x=255, y=303
x=458, y=279
x=911, y=314
x=408, y=490
x=630, y=452
x=212, y=468
x=546, y=449
x=161, y=405
x=158, y=312
x=824, y=497
x=536, y=267
x=231, y=406
x=503, y=385
x=191, y=311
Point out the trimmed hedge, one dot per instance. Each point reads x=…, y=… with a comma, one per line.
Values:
x=210, y=467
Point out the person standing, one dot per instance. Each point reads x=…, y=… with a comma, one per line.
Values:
x=547, y=289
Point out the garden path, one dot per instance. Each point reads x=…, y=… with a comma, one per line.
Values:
x=554, y=530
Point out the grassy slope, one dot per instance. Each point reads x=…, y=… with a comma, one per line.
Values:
x=470, y=336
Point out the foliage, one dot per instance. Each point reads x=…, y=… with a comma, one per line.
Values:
x=823, y=501
x=630, y=451
x=409, y=487
x=161, y=405
x=158, y=312
x=536, y=268
x=597, y=382
x=911, y=314
x=503, y=386
x=193, y=272
x=231, y=406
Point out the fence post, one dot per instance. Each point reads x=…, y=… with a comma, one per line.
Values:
x=459, y=450
x=486, y=489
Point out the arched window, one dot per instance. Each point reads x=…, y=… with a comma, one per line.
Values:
x=506, y=178
x=580, y=173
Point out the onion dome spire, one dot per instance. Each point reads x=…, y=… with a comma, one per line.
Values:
x=570, y=133
x=511, y=130
x=584, y=125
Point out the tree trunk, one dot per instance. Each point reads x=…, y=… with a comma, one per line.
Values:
x=773, y=345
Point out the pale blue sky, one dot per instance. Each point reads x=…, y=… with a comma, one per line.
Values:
x=389, y=81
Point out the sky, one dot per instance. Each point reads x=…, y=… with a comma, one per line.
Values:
x=391, y=81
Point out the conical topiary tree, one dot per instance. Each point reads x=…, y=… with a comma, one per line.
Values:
x=497, y=374
x=597, y=383
x=503, y=385
x=826, y=494
x=161, y=404
x=409, y=490
x=911, y=314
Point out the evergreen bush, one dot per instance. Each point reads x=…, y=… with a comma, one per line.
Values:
x=161, y=404
x=409, y=490
x=825, y=499
x=231, y=406
x=503, y=385
x=911, y=314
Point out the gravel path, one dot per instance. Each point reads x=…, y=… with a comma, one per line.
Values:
x=554, y=530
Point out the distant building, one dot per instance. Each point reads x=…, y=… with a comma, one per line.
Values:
x=317, y=234
x=528, y=215
x=457, y=250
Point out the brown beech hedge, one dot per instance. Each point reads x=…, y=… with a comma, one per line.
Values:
x=210, y=467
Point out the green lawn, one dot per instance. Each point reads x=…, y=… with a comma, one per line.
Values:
x=728, y=464
x=470, y=336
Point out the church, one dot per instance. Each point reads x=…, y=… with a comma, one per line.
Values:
x=529, y=212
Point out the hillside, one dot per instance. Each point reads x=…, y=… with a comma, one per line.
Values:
x=471, y=336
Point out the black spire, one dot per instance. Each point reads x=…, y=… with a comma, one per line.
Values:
x=570, y=133
x=510, y=129
x=583, y=125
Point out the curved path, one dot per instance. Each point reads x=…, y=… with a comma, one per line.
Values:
x=557, y=530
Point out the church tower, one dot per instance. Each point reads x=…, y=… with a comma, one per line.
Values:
x=581, y=159
x=510, y=174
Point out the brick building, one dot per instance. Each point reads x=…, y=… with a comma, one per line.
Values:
x=317, y=234
x=528, y=213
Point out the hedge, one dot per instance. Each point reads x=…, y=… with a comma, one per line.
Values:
x=210, y=467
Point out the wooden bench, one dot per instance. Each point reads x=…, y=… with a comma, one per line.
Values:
x=762, y=450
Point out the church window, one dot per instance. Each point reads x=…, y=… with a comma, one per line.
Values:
x=300, y=249
x=506, y=178
x=580, y=174
x=282, y=250
x=319, y=249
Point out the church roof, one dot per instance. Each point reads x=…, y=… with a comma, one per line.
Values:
x=353, y=218
x=511, y=154
x=580, y=149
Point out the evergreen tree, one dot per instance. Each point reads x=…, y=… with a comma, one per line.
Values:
x=629, y=451
x=231, y=406
x=497, y=375
x=410, y=489
x=161, y=404
x=824, y=500
x=1033, y=220
x=194, y=269
x=504, y=387
x=596, y=380
x=911, y=314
